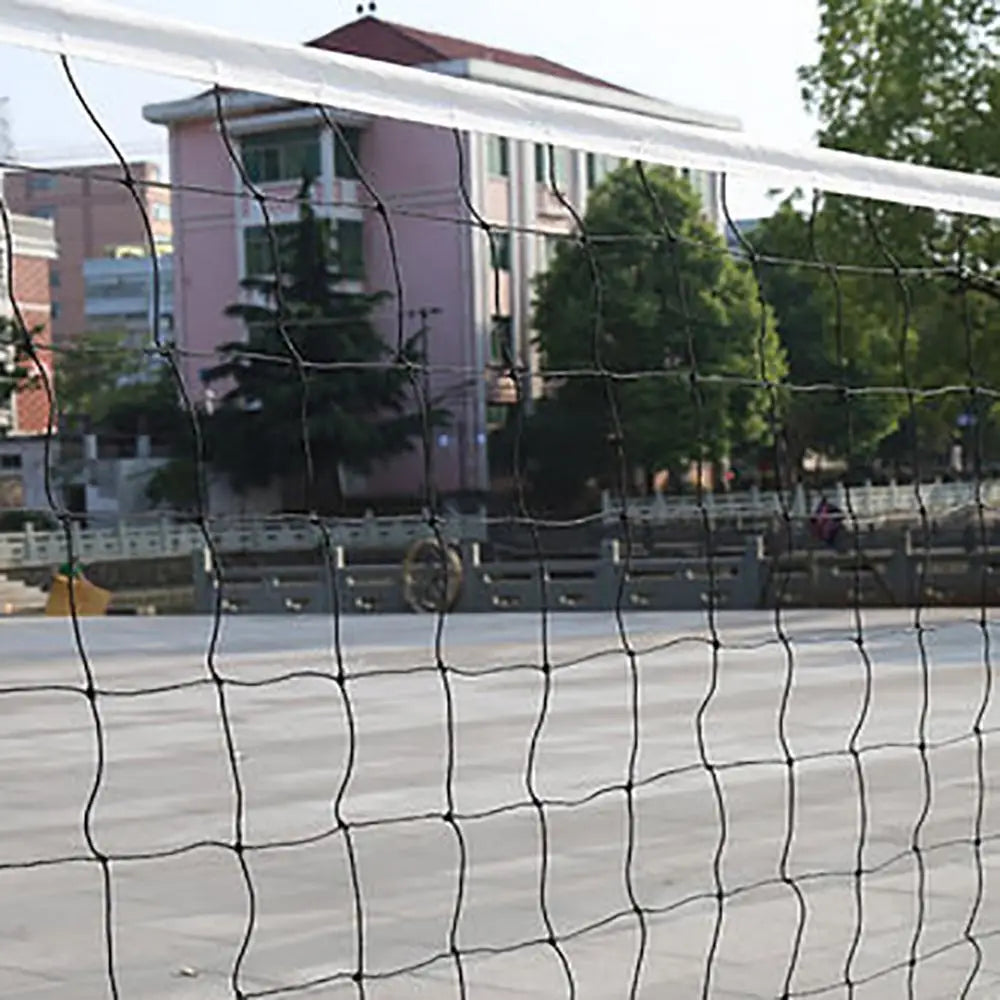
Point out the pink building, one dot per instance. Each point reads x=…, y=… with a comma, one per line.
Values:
x=444, y=255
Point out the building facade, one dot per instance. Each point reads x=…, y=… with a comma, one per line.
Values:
x=26, y=278
x=444, y=256
x=92, y=211
x=24, y=417
x=118, y=294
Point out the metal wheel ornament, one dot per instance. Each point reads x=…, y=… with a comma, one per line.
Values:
x=432, y=577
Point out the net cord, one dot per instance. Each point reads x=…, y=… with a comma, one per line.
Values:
x=513, y=370
x=636, y=913
x=618, y=439
x=779, y=451
x=970, y=930
x=833, y=275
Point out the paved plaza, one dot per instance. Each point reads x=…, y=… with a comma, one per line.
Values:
x=165, y=806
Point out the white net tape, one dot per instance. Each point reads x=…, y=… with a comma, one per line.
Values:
x=107, y=34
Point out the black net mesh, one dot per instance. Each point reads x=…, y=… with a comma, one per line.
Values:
x=709, y=803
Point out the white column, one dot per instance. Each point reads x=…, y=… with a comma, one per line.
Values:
x=579, y=181
x=531, y=259
x=480, y=298
x=327, y=168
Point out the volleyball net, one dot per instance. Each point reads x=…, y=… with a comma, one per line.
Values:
x=434, y=288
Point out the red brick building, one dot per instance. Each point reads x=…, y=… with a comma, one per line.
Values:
x=92, y=212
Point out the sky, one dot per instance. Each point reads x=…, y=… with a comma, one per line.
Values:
x=738, y=57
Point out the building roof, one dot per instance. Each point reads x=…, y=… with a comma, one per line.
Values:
x=386, y=41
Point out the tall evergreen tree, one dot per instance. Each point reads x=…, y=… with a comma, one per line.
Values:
x=351, y=394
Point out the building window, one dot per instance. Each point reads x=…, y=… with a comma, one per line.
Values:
x=562, y=159
x=350, y=249
x=161, y=211
x=286, y=155
x=258, y=259
x=41, y=182
x=599, y=166
x=10, y=461
x=498, y=156
x=55, y=279
x=496, y=416
x=501, y=340
x=347, y=153
x=501, y=250
x=43, y=212
x=56, y=310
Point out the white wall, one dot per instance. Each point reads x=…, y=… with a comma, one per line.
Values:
x=31, y=451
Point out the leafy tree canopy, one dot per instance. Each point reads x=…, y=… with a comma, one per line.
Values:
x=669, y=303
x=106, y=384
x=918, y=82
x=832, y=339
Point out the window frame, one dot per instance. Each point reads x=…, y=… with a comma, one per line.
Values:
x=502, y=256
x=343, y=166
x=498, y=157
x=563, y=165
x=267, y=157
x=249, y=236
x=599, y=166
x=354, y=269
x=501, y=329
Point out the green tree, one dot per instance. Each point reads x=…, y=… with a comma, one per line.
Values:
x=105, y=384
x=669, y=309
x=830, y=339
x=909, y=81
x=918, y=82
x=12, y=369
x=360, y=405
x=17, y=368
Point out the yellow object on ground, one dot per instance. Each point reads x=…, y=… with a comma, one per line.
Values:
x=88, y=598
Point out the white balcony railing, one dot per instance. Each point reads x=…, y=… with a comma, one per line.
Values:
x=163, y=539
x=868, y=503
